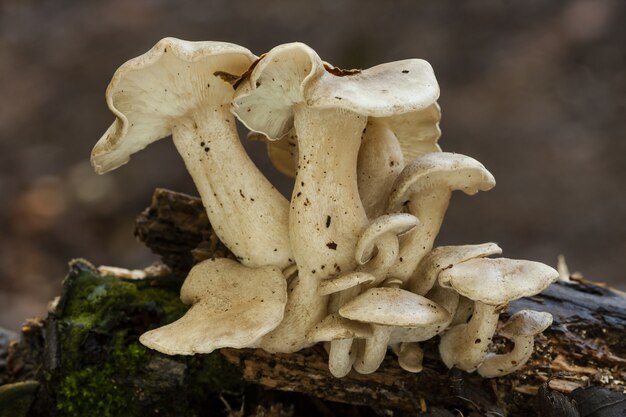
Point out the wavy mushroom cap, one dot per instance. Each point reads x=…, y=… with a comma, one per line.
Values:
x=232, y=306
x=396, y=223
x=148, y=93
x=293, y=74
x=335, y=327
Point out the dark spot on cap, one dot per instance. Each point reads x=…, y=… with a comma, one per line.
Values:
x=477, y=341
x=328, y=220
x=332, y=245
x=405, y=71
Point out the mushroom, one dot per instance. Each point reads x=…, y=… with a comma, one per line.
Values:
x=491, y=284
x=386, y=308
x=425, y=187
x=232, y=306
x=521, y=328
x=445, y=257
x=178, y=88
x=376, y=251
x=404, y=340
x=339, y=330
x=386, y=144
x=290, y=88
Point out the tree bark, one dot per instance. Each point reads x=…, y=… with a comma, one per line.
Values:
x=77, y=360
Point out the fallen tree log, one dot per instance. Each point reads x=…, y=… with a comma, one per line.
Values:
x=84, y=358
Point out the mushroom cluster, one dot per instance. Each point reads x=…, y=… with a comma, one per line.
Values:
x=349, y=260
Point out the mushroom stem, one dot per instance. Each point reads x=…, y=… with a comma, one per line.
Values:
x=338, y=364
x=414, y=245
x=380, y=162
x=497, y=365
x=248, y=214
x=464, y=346
x=372, y=350
x=325, y=219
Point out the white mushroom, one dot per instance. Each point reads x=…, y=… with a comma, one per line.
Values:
x=291, y=88
x=177, y=88
x=232, y=306
x=521, y=328
x=445, y=257
x=339, y=330
x=491, y=283
x=386, y=308
x=376, y=251
x=425, y=187
x=410, y=356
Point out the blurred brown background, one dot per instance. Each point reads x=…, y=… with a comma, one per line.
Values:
x=535, y=90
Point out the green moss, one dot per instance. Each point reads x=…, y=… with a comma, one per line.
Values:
x=101, y=391
x=106, y=372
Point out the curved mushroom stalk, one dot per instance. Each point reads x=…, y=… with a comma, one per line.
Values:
x=521, y=329
x=175, y=88
x=492, y=284
x=291, y=88
x=425, y=187
x=232, y=306
x=380, y=162
x=386, y=308
x=338, y=330
x=465, y=346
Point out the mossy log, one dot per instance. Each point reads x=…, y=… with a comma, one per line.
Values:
x=84, y=359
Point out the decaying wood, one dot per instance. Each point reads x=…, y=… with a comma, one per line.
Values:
x=585, y=346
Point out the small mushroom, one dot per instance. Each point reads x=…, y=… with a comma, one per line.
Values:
x=177, y=88
x=491, y=283
x=291, y=88
x=338, y=330
x=375, y=253
x=425, y=187
x=445, y=257
x=386, y=308
x=521, y=328
x=232, y=306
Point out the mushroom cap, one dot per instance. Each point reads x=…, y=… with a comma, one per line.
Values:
x=335, y=327
x=497, y=281
x=150, y=91
x=393, y=307
x=526, y=323
x=445, y=257
x=440, y=169
x=344, y=281
x=233, y=306
x=396, y=223
x=293, y=73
